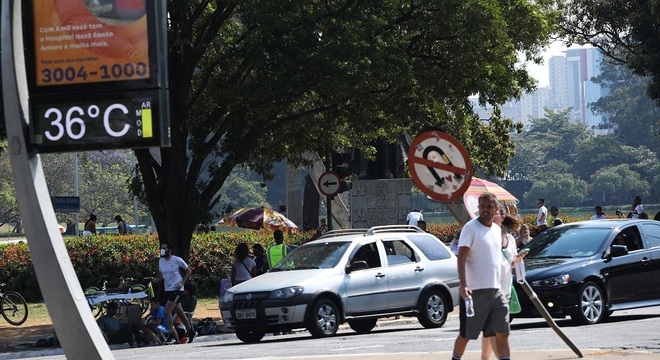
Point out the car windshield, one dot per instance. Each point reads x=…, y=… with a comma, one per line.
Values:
x=323, y=255
x=567, y=242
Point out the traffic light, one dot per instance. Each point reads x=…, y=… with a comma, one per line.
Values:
x=342, y=164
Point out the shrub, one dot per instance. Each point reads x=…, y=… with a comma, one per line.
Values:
x=108, y=257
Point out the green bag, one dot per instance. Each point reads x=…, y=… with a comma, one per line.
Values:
x=514, y=303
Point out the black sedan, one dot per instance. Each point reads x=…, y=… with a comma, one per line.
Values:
x=587, y=270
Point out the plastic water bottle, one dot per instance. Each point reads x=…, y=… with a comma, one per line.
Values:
x=469, y=307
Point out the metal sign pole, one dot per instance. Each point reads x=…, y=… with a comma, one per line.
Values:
x=74, y=324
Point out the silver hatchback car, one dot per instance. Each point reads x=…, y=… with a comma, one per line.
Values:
x=354, y=276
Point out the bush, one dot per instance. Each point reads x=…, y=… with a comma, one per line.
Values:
x=108, y=257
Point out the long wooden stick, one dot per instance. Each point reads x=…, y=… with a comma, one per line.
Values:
x=537, y=303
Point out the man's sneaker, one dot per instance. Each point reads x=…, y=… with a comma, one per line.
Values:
x=183, y=340
x=169, y=341
x=192, y=335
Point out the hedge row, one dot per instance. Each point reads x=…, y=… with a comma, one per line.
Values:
x=108, y=257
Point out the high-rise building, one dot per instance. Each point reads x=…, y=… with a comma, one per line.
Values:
x=571, y=86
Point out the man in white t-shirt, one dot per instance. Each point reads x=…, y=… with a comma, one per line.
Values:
x=479, y=271
x=542, y=216
x=599, y=214
x=637, y=207
x=414, y=216
x=173, y=282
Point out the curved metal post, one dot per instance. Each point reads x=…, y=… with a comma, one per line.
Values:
x=68, y=308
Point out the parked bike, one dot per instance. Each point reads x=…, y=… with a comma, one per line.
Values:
x=13, y=306
x=121, y=294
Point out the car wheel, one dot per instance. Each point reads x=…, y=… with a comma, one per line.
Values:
x=250, y=336
x=591, y=305
x=323, y=319
x=432, y=309
x=362, y=326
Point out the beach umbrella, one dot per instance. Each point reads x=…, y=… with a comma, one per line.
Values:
x=259, y=218
x=479, y=186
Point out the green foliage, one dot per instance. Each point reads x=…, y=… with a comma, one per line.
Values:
x=619, y=184
x=239, y=192
x=255, y=82
x=634, y=116
x=563, y=162
x=560, y=189
x=627, y=32
x=106, y=257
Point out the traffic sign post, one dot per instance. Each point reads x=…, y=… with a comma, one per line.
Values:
x=80, y=76
x=439, y=165
x=329, y=183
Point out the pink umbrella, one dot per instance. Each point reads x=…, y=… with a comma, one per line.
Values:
x=258, y=218
x=480, y=186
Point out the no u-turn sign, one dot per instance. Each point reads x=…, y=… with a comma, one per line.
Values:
x=439, y=165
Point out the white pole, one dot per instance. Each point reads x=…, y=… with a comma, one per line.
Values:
x=75, y=190
x=135, y=201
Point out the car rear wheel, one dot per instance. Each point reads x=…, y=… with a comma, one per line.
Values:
x=432, y=309
x=591, y=305
x=323, y=319
x=250, y=336
x=362, y=326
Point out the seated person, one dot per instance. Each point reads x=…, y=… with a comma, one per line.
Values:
x=189, y=300
x=113, y=331
x=619, y=239
x=155, y=322
x=180, y=329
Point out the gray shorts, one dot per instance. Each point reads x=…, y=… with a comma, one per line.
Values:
x=491, y=314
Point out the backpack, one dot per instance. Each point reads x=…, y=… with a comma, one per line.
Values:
x=206, y=326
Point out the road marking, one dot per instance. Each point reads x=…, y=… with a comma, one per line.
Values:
x=359, y=347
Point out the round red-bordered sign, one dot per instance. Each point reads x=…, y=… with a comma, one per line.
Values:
x=440, y=166
x=329, y=183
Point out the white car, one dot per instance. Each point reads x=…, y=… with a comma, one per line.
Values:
x=354, y=276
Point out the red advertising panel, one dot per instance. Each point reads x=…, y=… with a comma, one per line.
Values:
x=90, y=41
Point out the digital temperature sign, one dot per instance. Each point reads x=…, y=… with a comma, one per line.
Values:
x=131, y=121
x=97, y=74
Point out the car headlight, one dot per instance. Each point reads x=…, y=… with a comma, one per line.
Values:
x=286, y=293
x=552, y=281
x=229, y=297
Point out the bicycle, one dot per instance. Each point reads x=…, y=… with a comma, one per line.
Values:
x=126, y=286
x=13, y=306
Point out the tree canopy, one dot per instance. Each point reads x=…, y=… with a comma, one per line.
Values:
x=628, y=32
x=254, y=82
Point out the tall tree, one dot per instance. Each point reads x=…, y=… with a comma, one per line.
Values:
x=253, y=82
x=628, y=32
x=558, y=135
x=634, y=116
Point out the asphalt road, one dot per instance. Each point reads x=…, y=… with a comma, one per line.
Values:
x=632, y=334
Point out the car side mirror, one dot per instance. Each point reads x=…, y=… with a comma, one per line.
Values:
x=358, y=265
x=618, y=250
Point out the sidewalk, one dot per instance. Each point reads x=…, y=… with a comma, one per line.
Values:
x=521, y=355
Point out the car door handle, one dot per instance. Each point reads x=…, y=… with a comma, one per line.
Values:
x=419, y=269
x=379, y=275
x=645, y=259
